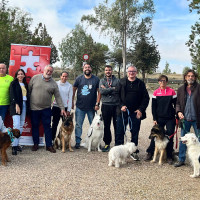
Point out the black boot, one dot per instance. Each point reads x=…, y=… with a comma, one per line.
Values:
x=19, y=148
x=14, y=150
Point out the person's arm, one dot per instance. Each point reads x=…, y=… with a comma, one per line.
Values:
x=74, y=94
x=98, y=100
x=103, y=89
x=70, y=96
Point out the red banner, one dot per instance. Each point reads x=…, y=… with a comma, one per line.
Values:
x=32, y=59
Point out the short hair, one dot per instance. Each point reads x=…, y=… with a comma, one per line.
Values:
x=108, y=66
x=4, y=65
x=64, y=72
x=162, y=76
x=86, y=64
x=131, y=66
x=188, y=71
x=48, y=66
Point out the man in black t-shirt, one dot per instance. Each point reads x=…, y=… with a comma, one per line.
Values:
x=87, y=86
x=134, y=100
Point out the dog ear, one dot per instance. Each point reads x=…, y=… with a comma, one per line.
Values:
x=101, y=118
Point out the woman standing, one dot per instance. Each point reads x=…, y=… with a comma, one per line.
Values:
x=18, y=104
x=66, y=93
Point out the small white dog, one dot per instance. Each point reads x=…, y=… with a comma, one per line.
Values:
x=118, y=154
x=95, y=134
x=193, y=146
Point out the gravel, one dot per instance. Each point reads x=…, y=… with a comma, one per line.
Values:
x=80, y=175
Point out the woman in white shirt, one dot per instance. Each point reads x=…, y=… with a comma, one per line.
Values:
x=66, y=93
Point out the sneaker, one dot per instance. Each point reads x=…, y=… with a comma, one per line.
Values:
x=77, y=146
x=148, y=157
x=179, y=164
x=106, y=148
x=135, y=156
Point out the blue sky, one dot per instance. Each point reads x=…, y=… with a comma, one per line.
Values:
x=171, y=25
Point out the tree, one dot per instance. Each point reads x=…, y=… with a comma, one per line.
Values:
x=116, y=59
x=41, y=37
x=145, y=55
x=121, y=20
x=76, y=44
x=14, y=28
x=167, y=70
x=185, y=69
x=194, y=38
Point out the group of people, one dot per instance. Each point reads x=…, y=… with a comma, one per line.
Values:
x=124, y=102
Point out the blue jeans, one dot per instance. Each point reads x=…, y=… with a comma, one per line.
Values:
x=45, y=116
x=134, y=128
x=182, y=147
x=79, y=117
x=3, y=111
x=18, y=123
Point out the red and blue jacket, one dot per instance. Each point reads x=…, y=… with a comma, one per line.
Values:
x=164, y=103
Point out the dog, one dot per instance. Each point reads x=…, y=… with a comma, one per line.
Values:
x=161, y=142
x=5, y=141
x=95, y=134
x=65, y=132
x=193, y=146
x=118, y=154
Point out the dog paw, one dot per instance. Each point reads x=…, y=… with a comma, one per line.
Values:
x=193, y=176
x=152, y=161
x=63, y=151
x=117, y=166
x=99, y=150
x=71, y=150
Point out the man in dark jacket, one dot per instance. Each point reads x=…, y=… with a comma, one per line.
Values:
x=108, y=88
x=188, y=109
x=134, y=100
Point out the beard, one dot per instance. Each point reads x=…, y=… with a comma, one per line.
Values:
x=190, y=82
x=87, y=73
x=47, y=76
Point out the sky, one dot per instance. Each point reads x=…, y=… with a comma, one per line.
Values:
x=171, y=25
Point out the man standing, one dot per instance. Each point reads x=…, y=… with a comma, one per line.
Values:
x=188, y=109
x=5, y=81
x=87, y=86
x=42, y=87
x=134, y=101
x=108, y=88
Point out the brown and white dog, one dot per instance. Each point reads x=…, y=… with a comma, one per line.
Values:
x=161, y=142
x=5, y=141
x=64, y=136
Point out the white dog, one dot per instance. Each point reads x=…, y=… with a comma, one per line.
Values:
x=95, y=134
x=193, y=146
x=118, y=154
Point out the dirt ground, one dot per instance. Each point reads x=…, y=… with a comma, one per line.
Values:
x=80, y=175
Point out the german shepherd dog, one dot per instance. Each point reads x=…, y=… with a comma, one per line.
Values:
x=5, y=141
x=161, y=142
x=64, y=136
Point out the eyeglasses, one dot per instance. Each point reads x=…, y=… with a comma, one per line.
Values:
x=132, y=71
x=162, y=81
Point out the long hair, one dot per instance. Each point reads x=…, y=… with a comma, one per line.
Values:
x=24, y=79
x=188, y=71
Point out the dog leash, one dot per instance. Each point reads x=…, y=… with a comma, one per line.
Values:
x=91, y=132
x=130, y=124
x=10, y=133
x=169, y=137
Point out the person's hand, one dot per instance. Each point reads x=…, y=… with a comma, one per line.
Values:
x=155, y=122
x=102, y=86
x=180, y=115
x=96, y=107
x=139, y=114
x=17, y=109
x=123, y=108
x=63, y=113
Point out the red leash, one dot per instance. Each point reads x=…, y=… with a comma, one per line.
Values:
x=175, y=133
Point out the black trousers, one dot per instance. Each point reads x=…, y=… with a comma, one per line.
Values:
x=56, y=118
x=108, y=113
x=170, y=128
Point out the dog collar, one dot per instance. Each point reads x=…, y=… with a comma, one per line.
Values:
x=10, y=133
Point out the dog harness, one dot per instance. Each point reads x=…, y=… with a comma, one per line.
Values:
x=10, y=133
